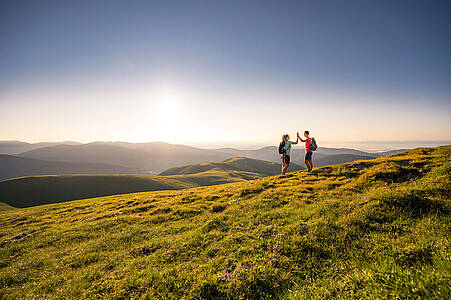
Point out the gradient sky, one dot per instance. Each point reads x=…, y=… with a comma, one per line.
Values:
x=201, y=71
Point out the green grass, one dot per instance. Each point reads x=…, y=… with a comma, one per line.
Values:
x=369, y=229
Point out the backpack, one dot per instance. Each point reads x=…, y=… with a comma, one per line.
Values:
x=282, y=148
x=313, y=145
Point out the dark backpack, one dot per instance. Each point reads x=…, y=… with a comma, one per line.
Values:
x=282, y=148
x=313, y=145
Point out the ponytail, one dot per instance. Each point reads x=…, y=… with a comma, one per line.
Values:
x=284, y=137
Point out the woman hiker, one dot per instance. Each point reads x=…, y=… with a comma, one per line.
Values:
x=285, y=155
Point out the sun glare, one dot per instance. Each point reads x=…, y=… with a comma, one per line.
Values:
x=167, y=108
x=167, y=114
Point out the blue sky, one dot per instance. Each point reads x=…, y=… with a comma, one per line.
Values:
x=249, y=70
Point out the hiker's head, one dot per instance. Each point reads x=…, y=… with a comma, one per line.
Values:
x=306, y=133
x=285, y=137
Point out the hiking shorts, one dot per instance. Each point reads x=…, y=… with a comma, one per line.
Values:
x=285, y=159
x=308, y=155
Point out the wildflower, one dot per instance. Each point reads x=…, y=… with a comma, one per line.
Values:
x=226, y=274
x=366, y=198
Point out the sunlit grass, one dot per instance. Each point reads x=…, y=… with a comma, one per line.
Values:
x=368, y=229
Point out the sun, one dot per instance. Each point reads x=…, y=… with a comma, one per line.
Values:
x=168, y=120
x=167, y=108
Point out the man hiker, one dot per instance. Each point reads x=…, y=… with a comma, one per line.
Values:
x=285, y=149
x=308, y=150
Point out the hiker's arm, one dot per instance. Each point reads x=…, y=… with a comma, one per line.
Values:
x=295, y=143
x=299, y=137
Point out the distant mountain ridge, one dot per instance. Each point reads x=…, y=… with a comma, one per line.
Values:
x=153, y=157
x=14, y=166
x=16, y=147
x=156, y=157
x=269, y=153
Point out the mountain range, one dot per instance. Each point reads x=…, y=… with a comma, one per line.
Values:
x=15, y=166
x=142, y=158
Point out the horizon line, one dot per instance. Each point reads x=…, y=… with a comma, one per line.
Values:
x=220, y=141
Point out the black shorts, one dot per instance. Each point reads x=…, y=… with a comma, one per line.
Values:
x=285, y=159
x=308, y=155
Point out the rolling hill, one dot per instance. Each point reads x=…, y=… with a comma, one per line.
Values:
x=4, y=207
x=368, y=229
x=37, y=190
x=261, y=167
x=13, y=166
x=339, y=159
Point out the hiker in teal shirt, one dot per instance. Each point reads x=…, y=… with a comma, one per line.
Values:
x=285, y=155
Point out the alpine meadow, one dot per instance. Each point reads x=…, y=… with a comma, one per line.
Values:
x=367, y=229
x=225, y=150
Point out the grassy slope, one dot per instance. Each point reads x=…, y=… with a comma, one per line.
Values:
x=372, y=229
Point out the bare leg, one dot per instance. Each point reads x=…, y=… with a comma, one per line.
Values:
x=283, y=165
x=285, y=169
x=309, y=165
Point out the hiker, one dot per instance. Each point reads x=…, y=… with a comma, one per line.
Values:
x=308, y=150
x=284, y=150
